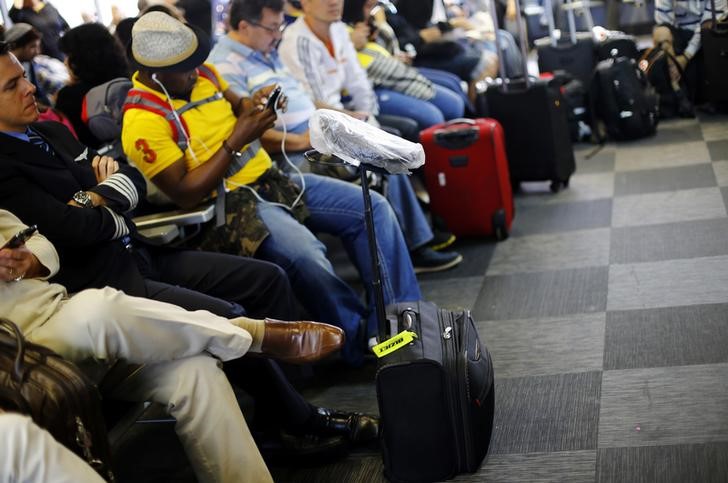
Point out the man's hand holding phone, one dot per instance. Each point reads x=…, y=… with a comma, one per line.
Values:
x=16, y=261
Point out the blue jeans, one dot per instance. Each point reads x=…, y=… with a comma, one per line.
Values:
x=411, y=218
x=401, y=196
x=445, y=105
x=448, y=80
x=337, y=208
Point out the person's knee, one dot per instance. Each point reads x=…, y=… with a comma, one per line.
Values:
x=662, y=34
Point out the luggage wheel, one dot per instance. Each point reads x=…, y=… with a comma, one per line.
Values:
x=500, y=229
x=557, y=184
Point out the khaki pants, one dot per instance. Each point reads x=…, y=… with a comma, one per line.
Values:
x=172, y=343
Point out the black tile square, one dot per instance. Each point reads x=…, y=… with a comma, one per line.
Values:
x=665, y=179
x=670, y=241
x=675, y=336
x=559, y=217
x=704, y=463
x=476, y=252
x=546, y=414
x=543, y=294
x=718, y=150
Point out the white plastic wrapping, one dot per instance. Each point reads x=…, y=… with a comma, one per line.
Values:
x=355, y=142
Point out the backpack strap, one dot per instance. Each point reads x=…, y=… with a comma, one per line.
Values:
x=139, y=99
x=206, y=72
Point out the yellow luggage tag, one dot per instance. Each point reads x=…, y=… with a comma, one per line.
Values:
x=394, y=343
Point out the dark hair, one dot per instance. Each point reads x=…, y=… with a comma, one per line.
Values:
x=4, y=48
x=353, y=11
x=251, y=10
x=30, y=36
x=94, y=55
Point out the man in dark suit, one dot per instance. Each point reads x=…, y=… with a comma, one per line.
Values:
x=81, y=201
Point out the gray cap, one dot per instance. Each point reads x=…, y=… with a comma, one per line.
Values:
x=17, y=31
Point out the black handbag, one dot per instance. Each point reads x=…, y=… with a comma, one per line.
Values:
x=37, y=382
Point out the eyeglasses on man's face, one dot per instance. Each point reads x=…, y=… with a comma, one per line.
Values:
x=273, y=30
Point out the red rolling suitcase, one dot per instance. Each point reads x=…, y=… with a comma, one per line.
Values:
x=467, y=176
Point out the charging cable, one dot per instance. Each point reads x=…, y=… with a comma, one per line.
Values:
x=288, y=161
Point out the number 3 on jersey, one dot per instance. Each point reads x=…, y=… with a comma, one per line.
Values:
x=149, y=155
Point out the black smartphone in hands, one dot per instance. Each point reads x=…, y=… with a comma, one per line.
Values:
x=273, y=98
x=20, y=238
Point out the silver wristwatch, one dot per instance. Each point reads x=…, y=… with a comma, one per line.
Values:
x=83, y=199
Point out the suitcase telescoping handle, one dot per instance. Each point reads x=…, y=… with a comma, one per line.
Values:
x=522, y=41
x=569, y=6
x=376, y=266
x=18, y=369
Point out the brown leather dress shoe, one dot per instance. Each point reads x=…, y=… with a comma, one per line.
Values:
x=300, y=342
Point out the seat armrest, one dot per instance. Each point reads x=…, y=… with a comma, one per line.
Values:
x=195, y=216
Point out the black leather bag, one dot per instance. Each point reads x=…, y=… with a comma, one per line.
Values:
x=60, y=398
x=436, y=396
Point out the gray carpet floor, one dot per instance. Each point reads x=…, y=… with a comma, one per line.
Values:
x=606, y=314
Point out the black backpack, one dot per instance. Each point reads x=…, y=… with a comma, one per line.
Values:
x=655, y=63
x=624, y=100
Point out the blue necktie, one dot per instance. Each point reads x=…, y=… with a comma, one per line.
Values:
x=36, y=140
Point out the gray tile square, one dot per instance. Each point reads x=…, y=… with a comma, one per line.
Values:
x=715, y=129
x=675, y=336
x=560, y=217
x=720, y=168
x=557, y=467
x=704, y=463
x=546, y=414
x=453, y=294
x=688, y=239
x=668, y=207
x=664, y=179
x=542, y=294
x=635, y=158
x=554, y=251
x=590, y=160
x=724, y=193
x=671, y=283
x=664, y=406
x=718, y=150
x=582, y=187
x=672, y=131
x=545, y=345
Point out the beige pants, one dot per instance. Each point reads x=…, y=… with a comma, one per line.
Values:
x=29, y=454
x=172, y=343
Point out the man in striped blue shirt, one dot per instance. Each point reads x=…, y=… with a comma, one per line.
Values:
x=677, y=28
x=247, y=57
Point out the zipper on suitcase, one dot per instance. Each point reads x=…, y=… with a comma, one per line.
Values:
x=464, y=393
x=450, y=354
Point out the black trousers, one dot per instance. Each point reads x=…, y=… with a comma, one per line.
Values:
x=231, y=286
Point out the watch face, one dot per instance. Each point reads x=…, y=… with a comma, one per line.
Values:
x=83, y=199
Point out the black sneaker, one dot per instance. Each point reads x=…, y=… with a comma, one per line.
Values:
x=426, y=260
x=441, y=240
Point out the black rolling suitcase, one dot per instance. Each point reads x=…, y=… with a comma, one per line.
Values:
x=575, y=54
x=715, y=58
x=436, y=395
x=435, y=383
x=534, y=119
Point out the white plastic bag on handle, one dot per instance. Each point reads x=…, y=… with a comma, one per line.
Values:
x=355, y=142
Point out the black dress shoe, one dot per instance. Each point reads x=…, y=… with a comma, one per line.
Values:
x=355, y=427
